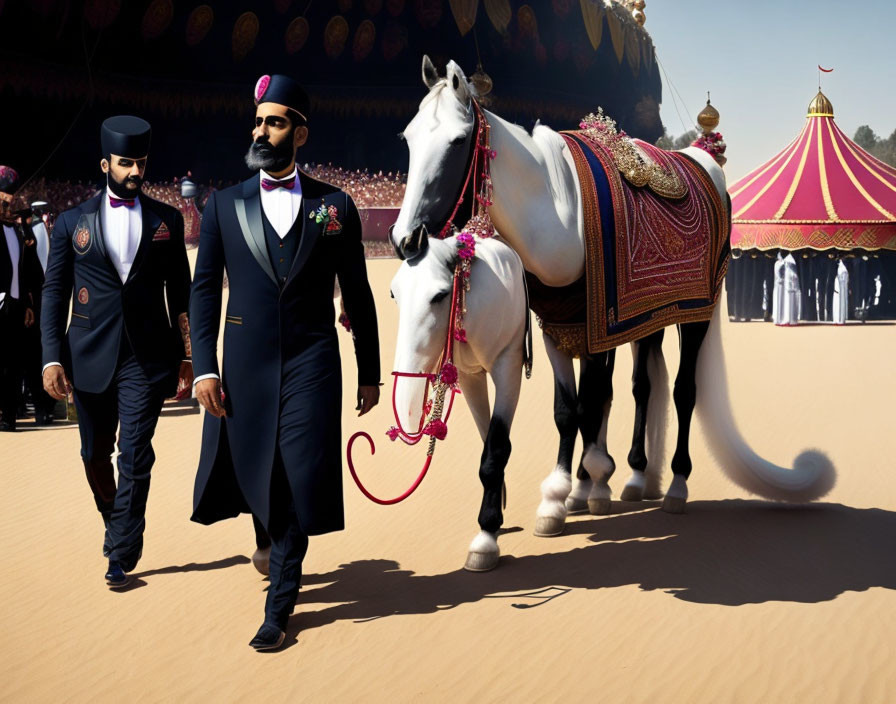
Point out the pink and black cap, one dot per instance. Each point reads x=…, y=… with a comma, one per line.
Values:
x=285, y=91
x=125, y=135
x=9, y=180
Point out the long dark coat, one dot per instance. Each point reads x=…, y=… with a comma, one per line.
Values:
x=270, y=326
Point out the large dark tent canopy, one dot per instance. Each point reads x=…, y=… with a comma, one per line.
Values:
x=189, y=68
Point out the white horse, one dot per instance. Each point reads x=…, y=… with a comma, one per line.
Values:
x=537, y=208
x=495, y=323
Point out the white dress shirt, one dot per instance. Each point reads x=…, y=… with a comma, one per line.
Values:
x=122, y=228
x=281, y=207
x=15, y=252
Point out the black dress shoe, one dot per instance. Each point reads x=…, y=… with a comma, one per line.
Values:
x=43, y=419
x=6, y=427
x=268, y=638
x=116, y=577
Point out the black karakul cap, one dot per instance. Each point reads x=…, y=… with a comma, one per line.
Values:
x=285, y=91
x=125, y=135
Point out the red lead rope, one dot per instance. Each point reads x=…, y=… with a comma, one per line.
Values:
x=481, y=153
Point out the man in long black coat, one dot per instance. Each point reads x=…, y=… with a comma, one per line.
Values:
x=19, y=290
x=119, y=261
x=271, y=442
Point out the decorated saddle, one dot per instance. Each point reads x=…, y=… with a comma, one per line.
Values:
x=656, y=244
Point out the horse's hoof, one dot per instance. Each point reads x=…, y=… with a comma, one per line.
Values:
x=674, y=504
x=653, y=494
x=481, y=561
x=261, y=560
x=548, y=526
x=574, y=505
x=632, y=492
x=599, y=507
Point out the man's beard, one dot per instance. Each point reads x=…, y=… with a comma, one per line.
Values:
x=270, y=157
x=120, y=188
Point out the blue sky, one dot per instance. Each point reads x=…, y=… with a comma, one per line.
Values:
x=759, y=59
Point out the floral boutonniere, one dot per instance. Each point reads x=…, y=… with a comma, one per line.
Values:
x=328, y=216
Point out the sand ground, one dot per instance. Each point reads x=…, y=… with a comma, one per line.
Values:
x=736, y=601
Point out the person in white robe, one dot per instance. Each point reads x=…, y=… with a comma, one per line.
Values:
x=790, y=307
x=841, y=294
x=778, y=291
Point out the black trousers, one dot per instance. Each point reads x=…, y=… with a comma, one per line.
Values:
x=288, y=547
x=12, y=357
x=132, y=404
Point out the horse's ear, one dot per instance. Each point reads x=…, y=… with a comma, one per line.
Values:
x=430, y=76
x=458, y=82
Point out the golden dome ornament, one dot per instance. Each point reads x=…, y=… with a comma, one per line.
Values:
x=710, y=141
x=481, y=81
x=820, y=106
x=708, y=119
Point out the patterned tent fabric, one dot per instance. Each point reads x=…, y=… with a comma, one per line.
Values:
x=822, y=192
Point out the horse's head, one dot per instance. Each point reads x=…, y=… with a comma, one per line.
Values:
x=422, y=289
x=439, y=140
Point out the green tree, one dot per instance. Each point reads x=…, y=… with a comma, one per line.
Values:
x=886, y=149
x=866, y=138
x=684, y=140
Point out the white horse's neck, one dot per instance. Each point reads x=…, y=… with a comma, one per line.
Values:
x=537, y=201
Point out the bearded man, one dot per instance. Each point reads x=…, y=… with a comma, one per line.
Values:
x=118, y=258
x=271, y=441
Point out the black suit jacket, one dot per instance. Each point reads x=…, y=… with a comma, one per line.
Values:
x=145, y=308
x=266, y=324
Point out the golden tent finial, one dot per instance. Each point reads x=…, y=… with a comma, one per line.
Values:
x=820, y=106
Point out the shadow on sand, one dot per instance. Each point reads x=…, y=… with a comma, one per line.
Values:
x=721, y=552
x=223, y=563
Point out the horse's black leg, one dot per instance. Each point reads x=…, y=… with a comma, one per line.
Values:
x=484, y=553
x=495, y=454
x=685, y=396
x=550, y=517
x=637, y=456
x=595, y=398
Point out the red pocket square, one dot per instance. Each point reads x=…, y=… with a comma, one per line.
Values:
x=162, y=234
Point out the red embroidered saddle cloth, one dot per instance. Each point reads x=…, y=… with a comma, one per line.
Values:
x=650, y=261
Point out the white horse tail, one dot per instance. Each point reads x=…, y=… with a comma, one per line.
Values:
x=813, y=474
x=657, y=418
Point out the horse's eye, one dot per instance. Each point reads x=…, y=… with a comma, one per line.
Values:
x=439, y=297
x=458, y=140
x=391, y=295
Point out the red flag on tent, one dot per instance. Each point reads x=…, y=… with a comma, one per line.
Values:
x=826, y=70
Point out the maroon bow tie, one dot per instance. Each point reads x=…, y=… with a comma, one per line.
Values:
x=118, y=202
x=270, y=184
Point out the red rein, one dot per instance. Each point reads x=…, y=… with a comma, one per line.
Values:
x=481, y=155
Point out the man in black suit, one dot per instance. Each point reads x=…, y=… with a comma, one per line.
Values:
x=271, y=442
x=19, y=281
x=119, y=258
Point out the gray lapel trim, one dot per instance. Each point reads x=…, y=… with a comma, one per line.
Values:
x=309, y=233
x=248, y=213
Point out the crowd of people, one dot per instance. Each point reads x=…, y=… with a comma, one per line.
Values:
x=367, y=189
